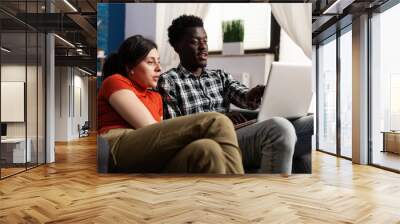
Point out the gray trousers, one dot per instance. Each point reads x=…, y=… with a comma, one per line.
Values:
x=268, y=146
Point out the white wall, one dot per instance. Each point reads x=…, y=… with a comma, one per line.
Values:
x=70, y=83
x=140, y=18
x=80, y=84
x=143, y=19
x=15, y=72
x=256, y=65
x=33, y=127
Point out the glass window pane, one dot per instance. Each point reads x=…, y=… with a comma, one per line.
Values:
x=346, y=94
x=14, y=153
x=31, y=96
x=386, y=88
x=327, y=97
x=22, y=87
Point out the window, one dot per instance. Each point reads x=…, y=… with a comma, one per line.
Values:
x=22, y=66
x=256, y=18
x=385, y=84
x=346, y=94
x=335, y=94
x=327, y=96
x=394, y=101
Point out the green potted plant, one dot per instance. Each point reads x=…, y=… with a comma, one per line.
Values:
x=233, y=34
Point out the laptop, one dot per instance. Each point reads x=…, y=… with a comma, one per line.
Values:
x=288, y=91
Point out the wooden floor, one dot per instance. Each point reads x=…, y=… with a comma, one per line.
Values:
x=5, y=172
x=70, y=191
x=387, y=159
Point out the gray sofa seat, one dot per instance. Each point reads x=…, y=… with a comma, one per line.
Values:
x=304, y=127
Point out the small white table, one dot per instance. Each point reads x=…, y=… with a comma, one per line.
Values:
x=17, y=146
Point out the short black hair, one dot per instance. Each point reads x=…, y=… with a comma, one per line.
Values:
x=179, y=26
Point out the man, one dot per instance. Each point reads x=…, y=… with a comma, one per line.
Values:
x=191, y=88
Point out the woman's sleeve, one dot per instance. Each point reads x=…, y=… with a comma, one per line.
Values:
x=161, y=111
x=114, y=83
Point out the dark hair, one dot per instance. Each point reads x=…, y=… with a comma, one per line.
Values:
x=179, y=26
x=112, y=65
x=131, y=52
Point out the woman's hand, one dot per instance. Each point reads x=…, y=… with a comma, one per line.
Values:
x=129, y=106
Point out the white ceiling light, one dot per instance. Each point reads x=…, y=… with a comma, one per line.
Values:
x=86, y=72
x=65, y=41
x=5, y=50
x=337, y=7
x=70, y=5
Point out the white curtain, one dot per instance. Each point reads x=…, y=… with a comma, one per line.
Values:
x=295, y=20
x=166, y=12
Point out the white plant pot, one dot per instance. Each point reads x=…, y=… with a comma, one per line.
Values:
x=233, y=48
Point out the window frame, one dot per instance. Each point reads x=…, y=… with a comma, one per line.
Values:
x=333, y=37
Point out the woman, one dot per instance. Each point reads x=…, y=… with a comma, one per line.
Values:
x=130, y=118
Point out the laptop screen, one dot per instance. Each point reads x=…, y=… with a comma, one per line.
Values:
x=288, y=91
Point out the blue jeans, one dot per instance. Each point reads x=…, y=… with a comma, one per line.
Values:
x=268, y=146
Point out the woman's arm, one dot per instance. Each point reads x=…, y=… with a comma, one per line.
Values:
x=128, y=105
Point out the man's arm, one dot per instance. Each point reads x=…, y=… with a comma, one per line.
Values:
x=242, y=96
x=169, y=96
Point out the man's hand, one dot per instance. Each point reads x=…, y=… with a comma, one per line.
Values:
x=236, y=117
x=254, y=96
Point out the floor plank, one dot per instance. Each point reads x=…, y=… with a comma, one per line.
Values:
x=71, y=191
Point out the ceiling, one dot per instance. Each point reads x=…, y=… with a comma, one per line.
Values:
x=72, y=20
x=76, y=23
x=331, y=15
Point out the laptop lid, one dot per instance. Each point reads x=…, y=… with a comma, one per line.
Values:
x=288, y=91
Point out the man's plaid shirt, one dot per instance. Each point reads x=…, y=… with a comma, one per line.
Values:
x=184, y=93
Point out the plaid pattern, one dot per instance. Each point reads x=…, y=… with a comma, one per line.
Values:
x=183, y=93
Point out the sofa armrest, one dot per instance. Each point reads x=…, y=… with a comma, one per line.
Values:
x=304, y=125
x=103, y=155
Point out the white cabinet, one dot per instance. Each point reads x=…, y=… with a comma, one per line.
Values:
x=15, y=148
